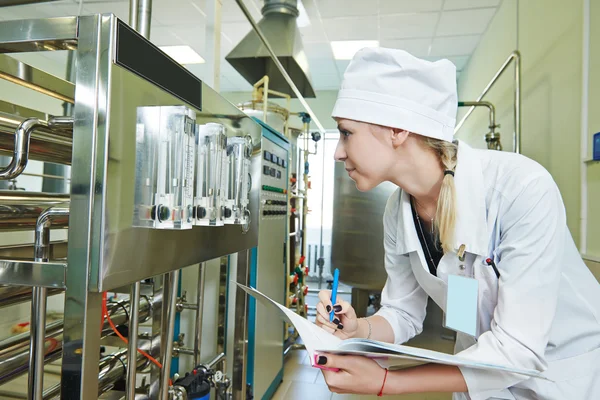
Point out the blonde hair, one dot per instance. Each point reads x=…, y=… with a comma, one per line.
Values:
x=445, y=215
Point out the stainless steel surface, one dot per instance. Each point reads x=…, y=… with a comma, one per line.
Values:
x=113, y=150
x=44, y=145
x=15, y=355
x=112, y=369
x=357, y=231
x=55, y=329
x=81, y=338
x=170, y=332
x=39, y=35
x=8, y=3
x=11, y=295
x=279, y=65
x=270, y=275
x=25, y=75
x=276, y=115
x=253, y=61
x=492, y=138
x=20, y=210
x=35, y=384
x=58, y=250
x=199, y=309
x=31, y=273
x=220, y=357
x=240, y=335
x=140, y=16
x=132, y=346
x=516, y=57
x=57, y=216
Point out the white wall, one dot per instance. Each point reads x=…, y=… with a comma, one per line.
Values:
x=548, y=34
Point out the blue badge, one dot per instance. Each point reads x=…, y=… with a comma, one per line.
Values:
x=461, y=304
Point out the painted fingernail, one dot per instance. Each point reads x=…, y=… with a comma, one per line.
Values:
x=340, y=326
x=336, y=321
x=337, y=308
x=328, y=308
x=322, y=360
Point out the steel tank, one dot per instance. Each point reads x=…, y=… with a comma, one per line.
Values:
x=276, y=115
x=357, y=234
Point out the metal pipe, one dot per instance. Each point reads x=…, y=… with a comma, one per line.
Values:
x=37, y=88
x=486, y=104
x=45, y=144
x=279, y=65
x=140, y=16
x=21, y=149
x=134, y=307
x=171, y=307
x=14, y=353
x=516, y=57
x=20, y=210
x=199, y=308
x=215, y=360
x=35, y=386
x=11, y=295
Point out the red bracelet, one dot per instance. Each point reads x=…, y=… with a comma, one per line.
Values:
x=383, y=384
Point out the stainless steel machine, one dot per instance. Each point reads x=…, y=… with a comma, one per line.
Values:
x=165, y=174
x=268, y=268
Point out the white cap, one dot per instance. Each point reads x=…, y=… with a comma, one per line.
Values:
x=392, y=88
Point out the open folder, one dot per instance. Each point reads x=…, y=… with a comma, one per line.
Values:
x=387, y=355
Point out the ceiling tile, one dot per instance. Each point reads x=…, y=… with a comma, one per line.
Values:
x=235, y=31
x=346, y=28
x=408, y=6
x=174, y=12
x=192, y=35
x=231, y=12
x=465, y=22
x=164, y=36
x=463, y=4
x=318, y=50
x=119, y=8
x=416, y=47
x=346, y=8
x=407, y=26
x=454, y=45
x=314, y=32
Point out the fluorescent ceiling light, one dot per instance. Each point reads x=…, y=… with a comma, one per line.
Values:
x=346, y=49
x=302, y=21
x=183, y=54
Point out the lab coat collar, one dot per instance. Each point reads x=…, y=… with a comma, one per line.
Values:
x=471, y=226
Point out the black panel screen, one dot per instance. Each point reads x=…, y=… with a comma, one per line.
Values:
x=146, y=60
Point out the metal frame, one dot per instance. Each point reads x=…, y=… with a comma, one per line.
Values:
x=93, y=222
x=515, y=57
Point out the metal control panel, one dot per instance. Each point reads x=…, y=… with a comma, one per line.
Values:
x=274, y=182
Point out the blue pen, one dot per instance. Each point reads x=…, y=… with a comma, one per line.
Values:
x=334, y=288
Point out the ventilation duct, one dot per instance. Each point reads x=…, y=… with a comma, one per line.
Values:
x=253, y=61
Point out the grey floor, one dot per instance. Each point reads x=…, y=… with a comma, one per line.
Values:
x=301, y=381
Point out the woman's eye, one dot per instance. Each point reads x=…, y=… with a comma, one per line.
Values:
x=345, y=133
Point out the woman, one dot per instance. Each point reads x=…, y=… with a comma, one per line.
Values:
x=538, y=306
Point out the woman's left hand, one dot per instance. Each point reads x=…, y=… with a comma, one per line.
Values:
x=358, y=375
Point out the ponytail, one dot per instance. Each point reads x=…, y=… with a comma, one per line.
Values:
x=445, y=216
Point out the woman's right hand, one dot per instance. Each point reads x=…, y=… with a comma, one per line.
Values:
x=345, y=322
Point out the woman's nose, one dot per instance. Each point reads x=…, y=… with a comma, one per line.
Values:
x=340, y=152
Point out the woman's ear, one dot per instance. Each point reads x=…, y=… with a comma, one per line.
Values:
x=399, y=136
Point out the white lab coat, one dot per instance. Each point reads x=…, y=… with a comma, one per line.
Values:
x=544, y=311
